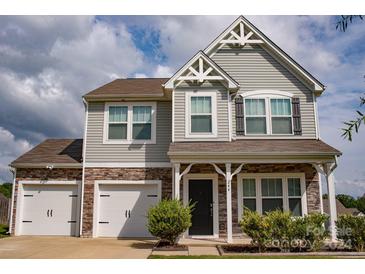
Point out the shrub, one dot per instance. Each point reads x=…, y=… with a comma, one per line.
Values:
x=281, y=229
x=169, y=219
x=351, y=229
x=256, y=227
x=315, y=232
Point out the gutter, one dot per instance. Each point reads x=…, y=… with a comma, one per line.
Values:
x=184, y=153
x=83, y=165
x=12, y=170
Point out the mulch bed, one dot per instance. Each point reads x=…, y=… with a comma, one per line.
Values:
x=249, y=249
x=165, y=246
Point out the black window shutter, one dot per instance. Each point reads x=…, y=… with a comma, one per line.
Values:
x=240, y=117
x=296, y=116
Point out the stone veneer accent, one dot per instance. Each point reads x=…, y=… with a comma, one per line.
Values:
x=93, y=174
x=311, y=178
x=29, y=174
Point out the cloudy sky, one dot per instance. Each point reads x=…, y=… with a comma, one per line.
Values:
x=48, y=63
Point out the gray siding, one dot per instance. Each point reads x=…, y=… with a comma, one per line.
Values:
x=98, y=152
x=254, y=68
x=222, y=114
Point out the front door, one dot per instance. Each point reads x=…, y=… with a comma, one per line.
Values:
x=201, y=193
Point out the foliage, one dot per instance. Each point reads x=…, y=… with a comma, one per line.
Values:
x=6, y=189
x=342, y=23
x=4, y=231
x=169, y=219
x=361, y=204
x=282, y=230
x=347, y=200
x=354, y=124
x=351, y=230
x=257, y=227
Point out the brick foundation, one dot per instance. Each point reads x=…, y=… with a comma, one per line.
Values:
x=94, y=174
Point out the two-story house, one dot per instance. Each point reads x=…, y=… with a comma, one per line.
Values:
x=235, y=127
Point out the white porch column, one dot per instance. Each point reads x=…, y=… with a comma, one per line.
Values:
x=229, y=202
x=176, y=194
x=330, y=179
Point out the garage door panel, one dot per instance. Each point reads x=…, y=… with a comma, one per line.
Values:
x=123, y=209
x=50, y=210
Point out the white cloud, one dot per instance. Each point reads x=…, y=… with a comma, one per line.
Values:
x=163, y=71
x=10, y=148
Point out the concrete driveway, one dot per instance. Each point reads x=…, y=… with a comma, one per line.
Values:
x=44, y=247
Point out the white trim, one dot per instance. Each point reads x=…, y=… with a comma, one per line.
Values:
x=130, y=122
x=214, y=178
x=129, y=164
x=188, y=95
x=211, y=49
x=46, y=165
x=316, y=119
x=200, y=56
x=285, y=197
x=266, y=93
x=173, y=117
x=117, y=182
x=13, y=170
x=20, y=196
x=230, y=127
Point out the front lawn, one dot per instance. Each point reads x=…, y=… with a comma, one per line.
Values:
x=248, y=257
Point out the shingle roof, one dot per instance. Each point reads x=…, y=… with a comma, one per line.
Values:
x=53, y=151
x=341, y=209
x=131, y=87
x=255, y=147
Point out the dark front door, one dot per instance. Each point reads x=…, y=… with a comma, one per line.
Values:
x=201, y=193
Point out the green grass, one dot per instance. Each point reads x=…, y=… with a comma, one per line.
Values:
x=243, y=257
x=3, y=230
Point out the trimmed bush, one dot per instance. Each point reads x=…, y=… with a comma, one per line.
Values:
x=169, y=219
x=282, y=230
x=351, y=229
x=257, y=227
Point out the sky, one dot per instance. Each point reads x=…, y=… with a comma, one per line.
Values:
x=48, y=63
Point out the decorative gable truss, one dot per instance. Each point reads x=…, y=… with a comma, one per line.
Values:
x=240, y=37
x=199, y=69
x=242, y=32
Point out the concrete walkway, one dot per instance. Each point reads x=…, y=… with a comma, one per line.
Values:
x=37, y=247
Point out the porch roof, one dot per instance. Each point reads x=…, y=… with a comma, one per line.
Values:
x=255, y=148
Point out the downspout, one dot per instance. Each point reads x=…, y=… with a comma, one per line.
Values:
x=86, y=105
x=12, y=170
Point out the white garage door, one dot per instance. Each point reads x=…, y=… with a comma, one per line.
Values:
x=123, y=209
x=49, y=210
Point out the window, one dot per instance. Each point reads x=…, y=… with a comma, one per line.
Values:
x=201, y=114
x=281, y=120
x=255, y=116
x=295, y=196
x=118, y=122
x=130, y=123
x=142, y=123
x=268, y=115
x=249, y=194
x=265, y=192
x=272, y=194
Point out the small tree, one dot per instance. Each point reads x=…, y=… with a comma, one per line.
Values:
x=169, y=219
x=351, y=229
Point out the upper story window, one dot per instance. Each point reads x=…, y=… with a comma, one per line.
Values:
x=268, y=115
x=201, y=117
x=133, y=122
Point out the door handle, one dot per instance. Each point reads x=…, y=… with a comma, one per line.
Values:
x=48, y=213
x=129, y=213
x=211, y=209
x=51, y=212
